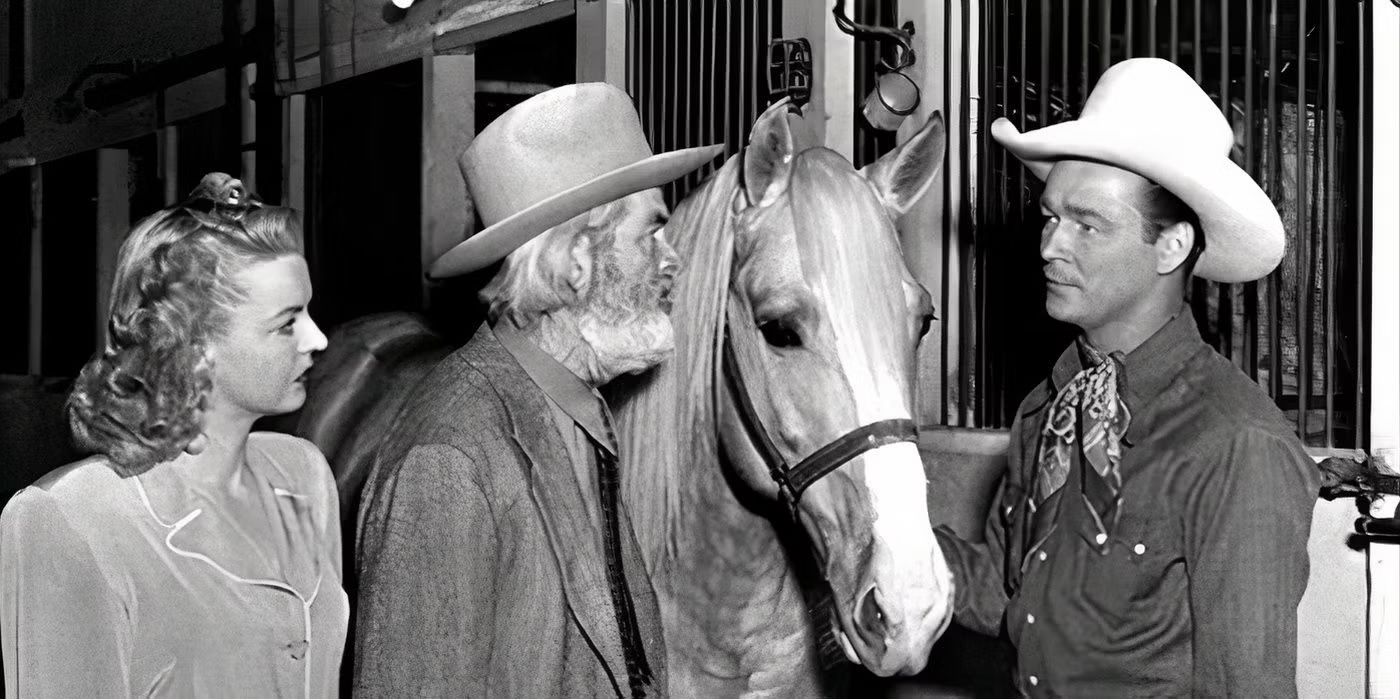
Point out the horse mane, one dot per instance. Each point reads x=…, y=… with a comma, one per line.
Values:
x=665, y=418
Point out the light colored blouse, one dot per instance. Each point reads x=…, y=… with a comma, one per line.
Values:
x=105, y=593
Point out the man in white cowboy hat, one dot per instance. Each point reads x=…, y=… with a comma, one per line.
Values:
x=1150, y=537
x=495, y=558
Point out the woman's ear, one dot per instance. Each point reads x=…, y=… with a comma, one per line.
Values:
x=581, y=264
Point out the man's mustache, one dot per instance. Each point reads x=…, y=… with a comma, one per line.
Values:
x=1060, y=275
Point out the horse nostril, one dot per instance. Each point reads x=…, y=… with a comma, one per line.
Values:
x=870, y=620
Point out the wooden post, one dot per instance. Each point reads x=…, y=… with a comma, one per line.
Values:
x=169, y=146
x=1383, y=646
x=113, y=221
x=449, y=108
x=294, y=148
x=600, y=40
x=924, y=228
x=248, y=132
x=829, y=115
x=36, y=270
x=837, y=78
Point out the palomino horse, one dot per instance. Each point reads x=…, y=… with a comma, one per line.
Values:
x=797, y=323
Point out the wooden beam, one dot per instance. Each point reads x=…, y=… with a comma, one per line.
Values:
x=487, y=20
x=600, y=40
x=36, y=270
x=449, y=106
x=113, y=221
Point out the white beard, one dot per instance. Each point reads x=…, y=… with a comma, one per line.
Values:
x=631, y=345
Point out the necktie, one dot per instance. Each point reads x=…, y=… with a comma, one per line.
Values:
x=639, y=676
x=1087, y=416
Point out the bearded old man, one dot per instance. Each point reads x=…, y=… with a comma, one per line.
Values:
x=1150, y=538
x=495, y=558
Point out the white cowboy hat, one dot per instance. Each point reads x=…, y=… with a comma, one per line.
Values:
x=551, y=158
x=1148, y=116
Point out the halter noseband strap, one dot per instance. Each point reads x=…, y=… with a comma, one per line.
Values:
x=793, y=480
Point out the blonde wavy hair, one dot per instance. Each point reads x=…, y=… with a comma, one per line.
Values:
x=139, y=400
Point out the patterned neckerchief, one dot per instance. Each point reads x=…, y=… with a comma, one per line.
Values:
x=1090, y=416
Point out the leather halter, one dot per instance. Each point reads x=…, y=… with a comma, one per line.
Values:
x=793, y=480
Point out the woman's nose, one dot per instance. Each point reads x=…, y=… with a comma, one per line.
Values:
x=314, y=340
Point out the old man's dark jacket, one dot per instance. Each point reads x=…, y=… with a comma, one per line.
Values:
x=477, y=574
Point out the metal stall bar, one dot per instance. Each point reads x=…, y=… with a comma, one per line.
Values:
x=1128, y=30
x=1083, y=54
x=1303, y=232
x=1250, y=332
x=1043, y=89
x=1361, y=198
x=1064, y=54
x=1152, y=27
x=728, y=74
x=969, y=230
x=1175, y=32
x=1225, y=310
x=1275, y=154
x=1329, y=277
x=1105, y=38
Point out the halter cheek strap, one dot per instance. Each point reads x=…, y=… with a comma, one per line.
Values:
x=793, y=480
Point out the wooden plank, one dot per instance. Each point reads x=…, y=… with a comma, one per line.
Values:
x=477, y=22
x=113, y=221
x=36, y=270
x=600, y=40
x=449, y=103
x=923, y=234
x=294, y=177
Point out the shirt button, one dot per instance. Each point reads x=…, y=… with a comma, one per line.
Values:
x=1100, y=538
x=1030, y=619
x=297, y=649
x=1044, y=556
x=1139, y=549
x=1034, y=680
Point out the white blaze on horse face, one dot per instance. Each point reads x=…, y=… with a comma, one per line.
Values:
x=858, y=277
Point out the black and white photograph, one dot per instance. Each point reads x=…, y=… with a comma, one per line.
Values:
x=700, y=348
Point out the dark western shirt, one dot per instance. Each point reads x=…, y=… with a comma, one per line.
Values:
x=1194, y=590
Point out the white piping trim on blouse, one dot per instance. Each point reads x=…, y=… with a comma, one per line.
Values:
x=306, y=602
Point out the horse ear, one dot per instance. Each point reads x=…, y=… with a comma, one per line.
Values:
x=903, y=175
x=768, y=155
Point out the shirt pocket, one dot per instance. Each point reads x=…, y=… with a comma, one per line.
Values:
x=1131, y=565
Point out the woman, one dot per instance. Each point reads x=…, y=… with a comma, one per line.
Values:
x=188, y=557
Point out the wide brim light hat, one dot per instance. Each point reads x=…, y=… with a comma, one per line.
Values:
x=1146, y=115
x=551, y=158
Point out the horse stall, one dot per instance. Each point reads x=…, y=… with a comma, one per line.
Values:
x=355, y=110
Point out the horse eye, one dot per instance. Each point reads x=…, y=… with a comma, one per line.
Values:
x=780, y=335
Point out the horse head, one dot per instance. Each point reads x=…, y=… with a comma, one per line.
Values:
x=823, y=320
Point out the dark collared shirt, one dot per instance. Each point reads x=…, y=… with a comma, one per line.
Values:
x=1194, y=590
x=586, y=426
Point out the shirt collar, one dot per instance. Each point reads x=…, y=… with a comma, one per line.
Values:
x=580, y=401
x=1146, y=370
